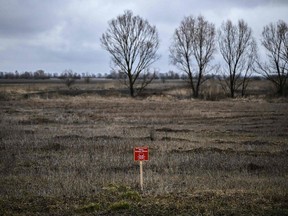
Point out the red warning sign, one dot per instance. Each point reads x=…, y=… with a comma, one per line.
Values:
x=141, y=154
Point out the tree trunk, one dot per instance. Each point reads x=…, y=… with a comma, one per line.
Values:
x=232, y=88
x=280, y=91
x=196, y=93
x=197, y=89
x=131, y=87
x=192, y=84
x=232, y=94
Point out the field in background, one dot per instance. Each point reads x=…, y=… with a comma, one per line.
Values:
x=179, y=89
x=70, y=152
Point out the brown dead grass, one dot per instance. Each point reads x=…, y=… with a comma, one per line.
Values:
x=214, y=158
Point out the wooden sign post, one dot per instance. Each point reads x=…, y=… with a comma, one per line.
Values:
x=141, y=154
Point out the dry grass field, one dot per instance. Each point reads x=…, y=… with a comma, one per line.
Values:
x=72, y=154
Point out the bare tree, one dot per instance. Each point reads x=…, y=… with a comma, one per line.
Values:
x=132, y=43
x=239, y=51
x=192, y=49
x=275, y=42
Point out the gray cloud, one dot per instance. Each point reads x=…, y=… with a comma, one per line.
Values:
x=28, y=17
x=57, y=34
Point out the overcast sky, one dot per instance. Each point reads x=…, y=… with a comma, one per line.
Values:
x=55, y=35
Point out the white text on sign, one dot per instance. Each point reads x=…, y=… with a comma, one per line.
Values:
x=141, y=154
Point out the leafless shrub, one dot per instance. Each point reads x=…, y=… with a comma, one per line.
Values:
x=68, y=77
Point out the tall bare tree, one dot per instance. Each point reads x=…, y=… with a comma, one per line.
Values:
x=239, y=51
x=275, y=42
x=192, y=49
x=132, y=43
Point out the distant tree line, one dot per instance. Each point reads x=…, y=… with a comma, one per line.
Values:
x=41, y=74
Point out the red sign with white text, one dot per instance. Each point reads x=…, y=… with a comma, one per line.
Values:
x=141, y=154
